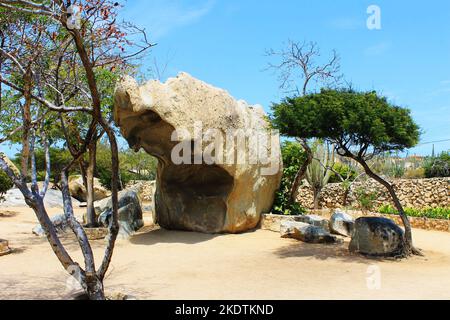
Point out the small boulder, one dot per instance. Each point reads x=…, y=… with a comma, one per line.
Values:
x=306, y=233
x=375, y=236
x=78, y=190
x=4, y=248
x=314, y=220
x=59, y=222
x=130, y=212
x=342, y=224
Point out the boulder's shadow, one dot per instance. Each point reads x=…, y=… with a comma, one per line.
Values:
x=326, y=252
x=167, y=236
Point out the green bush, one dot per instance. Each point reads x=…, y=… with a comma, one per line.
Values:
x=415, y=173
x=345, y=171
x=59, y=159
x=293, y=157
x=366, y=200
x=431, y=213
x=438, y=167
x=5, y=184
x=105, y=176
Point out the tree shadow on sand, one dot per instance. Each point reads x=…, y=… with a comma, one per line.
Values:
x=166, y=236
x=8, y=214
x=326, y=252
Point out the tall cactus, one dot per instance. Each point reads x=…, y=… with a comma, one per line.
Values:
x=318, y=173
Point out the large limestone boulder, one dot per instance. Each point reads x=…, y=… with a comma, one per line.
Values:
x=208, y=190
x=78, y=190
x=375, y=236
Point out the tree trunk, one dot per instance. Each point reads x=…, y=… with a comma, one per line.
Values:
x=94, y=287
x=302, y=171
x=91, y=219
x=344, y=201
x=317, y=192
x=26, y=118
x=409, y=247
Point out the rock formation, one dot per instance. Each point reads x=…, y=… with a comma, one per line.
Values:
x=377, y=237
x=130, y=212
x=213, y=195
x=78, y=190
x=342, y=224
x=306, y=232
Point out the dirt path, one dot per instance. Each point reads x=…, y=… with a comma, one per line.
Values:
x=160, y=264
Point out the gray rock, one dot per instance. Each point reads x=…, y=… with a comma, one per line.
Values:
x=59, y=222
x=130, y=212
x=377, y=237
x=53, y=199
x=314, y=220
x=306, y=233
x=342, y=224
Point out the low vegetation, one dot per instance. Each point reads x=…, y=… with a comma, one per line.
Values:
x=436, y=167
x=5, y=184
x=293, y=158
x=431, y=213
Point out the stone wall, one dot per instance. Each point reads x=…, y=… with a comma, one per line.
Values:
x=146, y=189
x=413, y=193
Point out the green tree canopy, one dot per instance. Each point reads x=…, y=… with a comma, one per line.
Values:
x=355, y=121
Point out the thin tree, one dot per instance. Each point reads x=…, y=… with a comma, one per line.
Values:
x=28, y=77
x=361, y=125
x=297, y=68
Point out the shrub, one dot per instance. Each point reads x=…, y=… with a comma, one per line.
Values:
x=105, y=176
x=415, y=173
x=5, y=184
x=293, y=157
x=431, y=213
x=438, y=167
x=345, y=171
x=366, y=200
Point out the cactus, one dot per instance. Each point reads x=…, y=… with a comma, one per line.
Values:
x=318, y=173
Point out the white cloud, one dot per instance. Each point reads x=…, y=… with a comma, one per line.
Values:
x=160, y=17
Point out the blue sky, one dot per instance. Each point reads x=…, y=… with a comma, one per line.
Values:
x=223, y=42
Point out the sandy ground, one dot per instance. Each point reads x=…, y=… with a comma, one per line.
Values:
x=159, y=264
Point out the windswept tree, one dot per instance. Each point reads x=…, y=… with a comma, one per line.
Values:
x=360, y=125
x=51, y=70
x=299, y=67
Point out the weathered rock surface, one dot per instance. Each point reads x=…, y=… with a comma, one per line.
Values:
x=314, y=220
x=377, y=237
x=222, y=196
x=78, y=191
x=130, y=212
x=413, y=193
x=306, y=233
x=10, y=164
x=59, y=222
x=342, y=224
